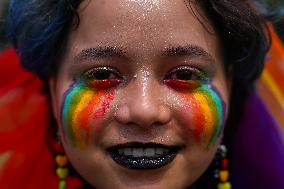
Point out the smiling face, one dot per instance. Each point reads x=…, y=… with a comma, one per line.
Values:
x=141, y=94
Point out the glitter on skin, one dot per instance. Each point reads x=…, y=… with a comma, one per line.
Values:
x=80, y=108
x=106, y=104
x=149, y=5
x=206, y=106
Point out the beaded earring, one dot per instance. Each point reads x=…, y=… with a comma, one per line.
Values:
x=61, y=160
x=223, y=172
x=62, y=171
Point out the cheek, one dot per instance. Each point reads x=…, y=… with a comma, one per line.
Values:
x=82, y=110
x=203, y=112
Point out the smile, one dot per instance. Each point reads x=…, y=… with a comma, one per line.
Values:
x=143, y=156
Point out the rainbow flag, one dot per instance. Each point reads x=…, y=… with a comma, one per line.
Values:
x=270, y=86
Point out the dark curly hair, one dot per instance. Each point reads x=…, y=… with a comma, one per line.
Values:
x=39, y=29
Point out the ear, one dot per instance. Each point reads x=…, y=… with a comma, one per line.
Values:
x=54, y=97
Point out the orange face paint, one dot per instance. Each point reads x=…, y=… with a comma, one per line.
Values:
x=206, y=106
x=85, y=102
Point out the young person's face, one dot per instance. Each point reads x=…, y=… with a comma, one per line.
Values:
x=141, y=96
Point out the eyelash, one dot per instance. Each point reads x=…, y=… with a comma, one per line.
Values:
x=110, y=77
x=102, y=78
x=186, y=78
x=188, y=72
x=94, y=74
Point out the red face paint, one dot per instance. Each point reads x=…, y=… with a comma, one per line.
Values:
x=103, y=84
x=84, y=102
x=181, y=85
x=205, y=106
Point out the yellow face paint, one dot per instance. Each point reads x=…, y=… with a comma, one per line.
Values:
x=82, y=104
x=206, y=106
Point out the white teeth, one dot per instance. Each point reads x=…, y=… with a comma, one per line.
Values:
x=148, y=152
x=140, y=152
x=128, y=152
x=159, y=151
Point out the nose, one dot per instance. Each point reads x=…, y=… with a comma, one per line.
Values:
x=143, y=105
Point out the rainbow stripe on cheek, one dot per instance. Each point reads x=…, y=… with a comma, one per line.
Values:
x=79, y=109
x=206, y=107
x=197, y=117
x=212, y=107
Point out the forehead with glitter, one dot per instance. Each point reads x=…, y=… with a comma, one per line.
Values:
x=147, y=5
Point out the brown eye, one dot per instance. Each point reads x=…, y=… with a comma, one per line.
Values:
x=102, y=73
x=184, y=78
x=184, y=73
x=102, y=78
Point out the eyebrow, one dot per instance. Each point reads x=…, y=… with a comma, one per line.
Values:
x=99, y=53
x=114, y=52
x=188, y=50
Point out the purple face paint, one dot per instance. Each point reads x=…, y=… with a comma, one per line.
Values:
x=84, y=102
x=205, y=106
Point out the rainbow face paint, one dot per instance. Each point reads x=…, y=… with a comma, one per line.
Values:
x=84, y=103
x=206, y=107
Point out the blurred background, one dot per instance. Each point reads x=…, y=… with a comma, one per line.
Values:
x=3, y=13
x=275, y=13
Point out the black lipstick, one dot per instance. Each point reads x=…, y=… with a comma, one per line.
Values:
x=143, y=155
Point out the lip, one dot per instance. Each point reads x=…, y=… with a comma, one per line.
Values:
x=136, y=155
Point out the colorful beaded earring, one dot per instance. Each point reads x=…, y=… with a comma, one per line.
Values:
x=62, y=170
x=223, y=172
x=61, y=160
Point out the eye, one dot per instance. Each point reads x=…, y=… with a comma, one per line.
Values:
x=102, y=77
x=185, y=73
x=184, y=78
x=102, y=73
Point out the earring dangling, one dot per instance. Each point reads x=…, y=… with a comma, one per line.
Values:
x=223, y=172
x=61, y=159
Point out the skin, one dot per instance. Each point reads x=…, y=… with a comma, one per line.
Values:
x=140, y=104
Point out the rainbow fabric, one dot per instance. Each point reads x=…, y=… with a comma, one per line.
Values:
x=270, y=86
